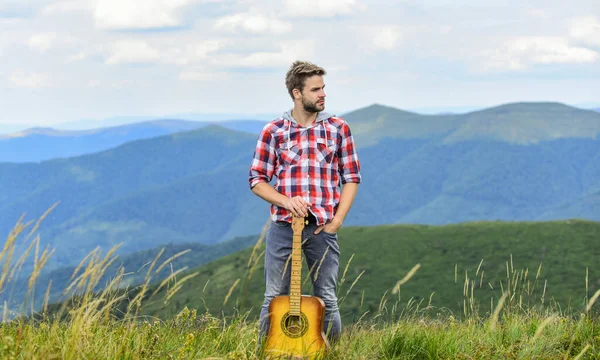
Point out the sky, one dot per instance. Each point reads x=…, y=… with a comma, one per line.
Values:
x=69, y=60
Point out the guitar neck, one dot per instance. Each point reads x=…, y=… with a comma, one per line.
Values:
x=296, y=266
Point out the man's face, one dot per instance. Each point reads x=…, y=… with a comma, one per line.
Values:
x=313, y=94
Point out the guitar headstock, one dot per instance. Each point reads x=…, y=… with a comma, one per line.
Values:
x=297, y=224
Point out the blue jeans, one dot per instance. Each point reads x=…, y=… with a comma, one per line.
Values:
x=279, y=248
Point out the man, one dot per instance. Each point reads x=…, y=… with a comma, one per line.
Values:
x=309, y=152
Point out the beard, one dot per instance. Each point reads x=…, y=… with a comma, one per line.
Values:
x=313, y=107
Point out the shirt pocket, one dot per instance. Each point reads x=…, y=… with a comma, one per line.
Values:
x=325, y=150
x=290, y=152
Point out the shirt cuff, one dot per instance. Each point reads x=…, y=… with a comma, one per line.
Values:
x=351, y=178
x=255, y=181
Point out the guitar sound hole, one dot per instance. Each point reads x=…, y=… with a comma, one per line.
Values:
x=294, y=326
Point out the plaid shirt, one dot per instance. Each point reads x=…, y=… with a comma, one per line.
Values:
x=307, y=161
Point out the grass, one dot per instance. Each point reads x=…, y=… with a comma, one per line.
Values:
x=111, y=324
x=192, y=336
x=464, y=269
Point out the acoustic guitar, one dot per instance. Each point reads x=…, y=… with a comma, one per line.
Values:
x=296, y=321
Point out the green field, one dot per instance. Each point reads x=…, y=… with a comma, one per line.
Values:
x=523, y=335
x=540, y=263
x=490, y=290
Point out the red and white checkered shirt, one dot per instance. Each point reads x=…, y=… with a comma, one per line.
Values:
x=307, y=161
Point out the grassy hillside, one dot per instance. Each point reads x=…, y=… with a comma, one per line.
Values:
x=519, y=323
x=541, y=263
x=190, y=335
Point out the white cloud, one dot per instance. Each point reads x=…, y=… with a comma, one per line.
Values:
x=202, y=76
x=539, y=13
x=11, y=21
x=94, y=83
x=289, y=52
x=66, y=6
x=322, y=8
x=132, y=51
x=252, y=23
x=110, y=84
x=29, y=79
x=41, y=42
x=193, y=53
x=386, y=37
x=586, y=30
x=436, y=41
x=80, y=56
x=521, y=53
x=206, y=53
x=139, y=14
x=141, y=52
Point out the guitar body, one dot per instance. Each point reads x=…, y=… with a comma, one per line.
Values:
x=297, y=336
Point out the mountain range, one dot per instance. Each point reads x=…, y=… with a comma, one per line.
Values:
x=514, y=162
x=38, y=144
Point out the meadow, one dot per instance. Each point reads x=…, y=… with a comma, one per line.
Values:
x=112, y=323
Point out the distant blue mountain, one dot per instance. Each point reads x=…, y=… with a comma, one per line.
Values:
x=522, y=162
x=88, y=124
x=38, y=144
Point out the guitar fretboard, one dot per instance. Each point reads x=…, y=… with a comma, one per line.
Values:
x=296, y=267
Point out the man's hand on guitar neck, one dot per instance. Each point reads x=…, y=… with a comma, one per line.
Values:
x=297, y=205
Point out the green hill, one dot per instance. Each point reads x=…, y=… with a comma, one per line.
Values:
x=515, y=123
x=374, y=123
x=527, y=123
x=481, y=254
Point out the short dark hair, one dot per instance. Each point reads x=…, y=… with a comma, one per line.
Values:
x=299, y=72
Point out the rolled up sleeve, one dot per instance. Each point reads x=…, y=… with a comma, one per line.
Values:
x=263, y=161
x=349, y=168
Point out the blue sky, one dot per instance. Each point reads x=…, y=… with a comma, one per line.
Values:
x=67, y=60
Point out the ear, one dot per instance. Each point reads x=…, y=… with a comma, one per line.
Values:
x=297, y=94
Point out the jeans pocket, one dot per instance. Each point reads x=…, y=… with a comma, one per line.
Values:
x=331, y=239
x=330, y=234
